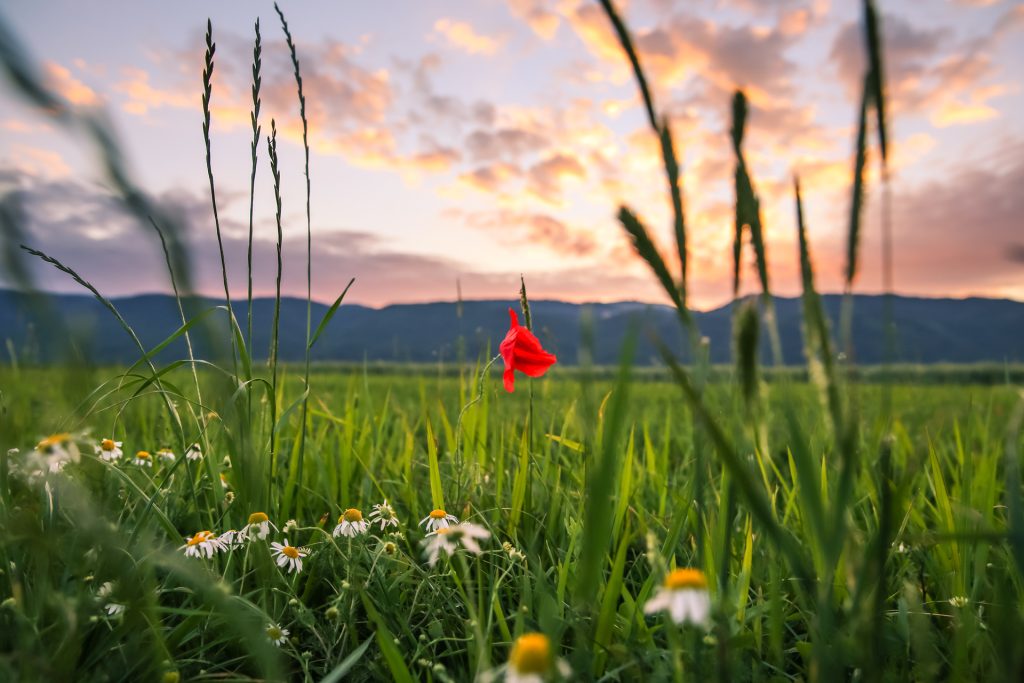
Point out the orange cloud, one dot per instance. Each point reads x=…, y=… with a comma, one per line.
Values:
x=141, y=96
x=36, y=161
x=461, y=35
x=541, y=20
x=545, y=178
x=69, y=87
x=530, y=228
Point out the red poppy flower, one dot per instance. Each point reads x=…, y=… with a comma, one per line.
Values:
x=522, y=351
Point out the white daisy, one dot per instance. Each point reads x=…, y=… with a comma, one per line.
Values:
x=438, y=519
x=109, y=450
x=112, y=608
x=258, y=526
x=232, y=539
x=202, y=544
x=194, y=452
x=143, y=459
x=166, y=454
x=351, y=524
x=449, y=538
x=531, y=660
x=384, y=515
x=288, y=556
x=684, y=595
x=57, y=450
x=278, y=635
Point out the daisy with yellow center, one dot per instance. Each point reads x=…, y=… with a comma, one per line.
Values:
x=531, y=660
x=109, y=450
x=194, y=452
x=58, y=450
x=448, y=539
x=258, y=526
x=288, y=556
x=278, y=635
x=53, y=443
x=351, y=524
x=202, y=544
x=143, y=459
x=684, y=595
x=166, y=455
x=438, y=519
x=384, y=515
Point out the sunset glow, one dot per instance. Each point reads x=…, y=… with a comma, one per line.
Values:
x=477, y=142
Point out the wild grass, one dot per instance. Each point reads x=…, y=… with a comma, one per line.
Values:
x=847, y=529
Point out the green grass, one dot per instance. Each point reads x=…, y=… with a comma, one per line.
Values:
x=374, y=437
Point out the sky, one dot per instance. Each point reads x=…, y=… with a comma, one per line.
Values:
x=458, y=144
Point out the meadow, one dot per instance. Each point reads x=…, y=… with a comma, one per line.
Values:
x=370, y=605
x=237, y=518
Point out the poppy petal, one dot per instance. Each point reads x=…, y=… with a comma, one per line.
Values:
x=510, y=380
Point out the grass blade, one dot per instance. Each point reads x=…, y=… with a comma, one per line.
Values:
x=330, y=314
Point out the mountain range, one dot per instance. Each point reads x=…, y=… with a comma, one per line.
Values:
x=46, y=328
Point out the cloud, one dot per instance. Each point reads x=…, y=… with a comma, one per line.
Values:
x=70, y=88
x=84, y=227
x=38, y=161
x=954, y=234
x=140, y=96
x=546, y=178
x=541, y=20
x=491, y=178
x=530, y=228
x=488, y=145
x=926, y=71
x=461, y=35
x=683, y=46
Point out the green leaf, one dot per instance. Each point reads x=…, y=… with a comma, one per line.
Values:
x=436, y=492
x=347, y=664
x=329, y=314
x=746, y=331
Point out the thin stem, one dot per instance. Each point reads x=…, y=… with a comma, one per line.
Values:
x=309, y=241
x=211, y=48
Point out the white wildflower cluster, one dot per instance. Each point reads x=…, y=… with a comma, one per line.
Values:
x=445, y=534
x=206, y=544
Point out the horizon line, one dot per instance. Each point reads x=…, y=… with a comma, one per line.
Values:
x=947, y=297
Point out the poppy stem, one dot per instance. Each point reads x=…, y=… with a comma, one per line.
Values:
x=458, y=425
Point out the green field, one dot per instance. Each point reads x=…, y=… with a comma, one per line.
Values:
x=941, y=600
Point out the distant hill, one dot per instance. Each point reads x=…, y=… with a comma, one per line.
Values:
x=928, y=330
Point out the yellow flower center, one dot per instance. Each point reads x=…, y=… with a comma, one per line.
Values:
x=257, y=517
x=290, y=551
x=531, y=654
x=200, y=537
x=438, y=514
x=54, y=440
x=686, y=578
x=274, y=633
x=352, y=515
x=142, y=455
x=444, y=530
x=107, y=444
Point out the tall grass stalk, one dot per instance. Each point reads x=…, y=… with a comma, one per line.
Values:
x=254, y=116
x=211, y=48
x=276, y=325
x=309, y=243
